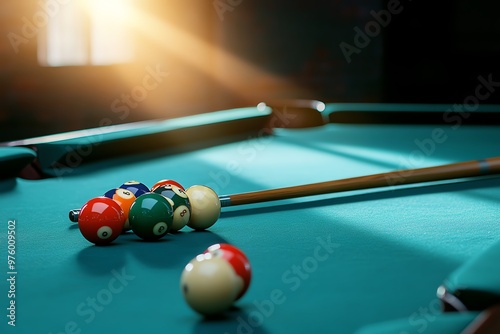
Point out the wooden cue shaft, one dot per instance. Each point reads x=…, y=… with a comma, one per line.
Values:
x=444, y=172
x=408, y=176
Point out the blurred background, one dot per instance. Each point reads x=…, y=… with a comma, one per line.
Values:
x=77, y=64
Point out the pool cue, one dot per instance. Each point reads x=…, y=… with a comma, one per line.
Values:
x=472, y=168
x=401, y=177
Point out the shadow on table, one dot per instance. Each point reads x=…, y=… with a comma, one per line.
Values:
x=100, y=260
x=237, y=320
x=7, y=185
x=172, y=250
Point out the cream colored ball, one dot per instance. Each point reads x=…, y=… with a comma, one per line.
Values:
x=209, y=285
x=205, y=207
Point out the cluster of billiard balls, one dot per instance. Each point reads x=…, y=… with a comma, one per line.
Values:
x=215, y=279
x=150, y=213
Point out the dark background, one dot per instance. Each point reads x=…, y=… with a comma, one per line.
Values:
x=430, y=52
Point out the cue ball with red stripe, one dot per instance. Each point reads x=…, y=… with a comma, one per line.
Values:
x=210, y=285
x=205, y=207
x=237, y=259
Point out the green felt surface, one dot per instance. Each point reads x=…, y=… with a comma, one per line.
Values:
x=12, y=154
x=330, y=263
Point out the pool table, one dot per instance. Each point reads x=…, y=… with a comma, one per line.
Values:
x=360, y=261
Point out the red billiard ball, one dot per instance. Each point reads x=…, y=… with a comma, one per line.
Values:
x=166, y=182
x=135, y=187
x=101, y=220
x=237, y=259
x=209, y=284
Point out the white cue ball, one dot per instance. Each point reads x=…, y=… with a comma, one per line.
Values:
x=205, y=207
x=210, y=285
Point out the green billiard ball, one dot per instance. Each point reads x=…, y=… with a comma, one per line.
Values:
x=151, y=216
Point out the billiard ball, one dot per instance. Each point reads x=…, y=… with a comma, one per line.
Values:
x=101, y=220
x=135, y=187
x=205, y=207
x=124, y=198
x=181, y=205
x=237, y=259
x=150, y=216
x=166, y=182
x=227, y=247
x=209, y=284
